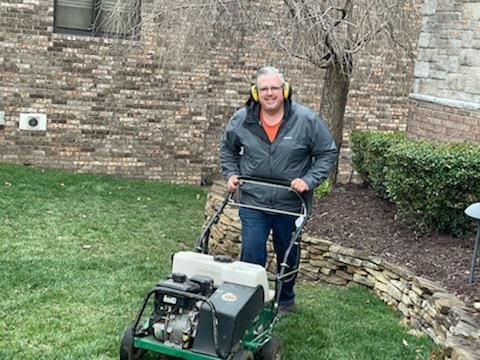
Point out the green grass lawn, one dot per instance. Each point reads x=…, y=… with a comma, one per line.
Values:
x=79, y=252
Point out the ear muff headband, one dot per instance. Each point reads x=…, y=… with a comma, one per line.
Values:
x=287, y=92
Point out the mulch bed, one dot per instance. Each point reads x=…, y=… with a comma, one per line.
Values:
x=354, y=216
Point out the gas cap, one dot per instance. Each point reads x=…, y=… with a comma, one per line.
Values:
x=179, y=277
x=223, y=258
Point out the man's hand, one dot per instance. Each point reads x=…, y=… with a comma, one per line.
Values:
x=299, y=185
x=232, y=183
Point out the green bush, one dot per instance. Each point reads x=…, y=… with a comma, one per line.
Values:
x=322, y=189
x=431, y=184
x=370, y=155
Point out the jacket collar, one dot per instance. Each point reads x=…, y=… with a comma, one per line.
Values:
x=253, y=112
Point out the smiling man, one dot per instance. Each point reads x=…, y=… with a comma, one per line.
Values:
x=274, y=137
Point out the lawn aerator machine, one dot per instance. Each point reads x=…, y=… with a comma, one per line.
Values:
x=212, y=307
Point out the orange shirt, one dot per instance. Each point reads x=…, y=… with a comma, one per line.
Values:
x=271, y=130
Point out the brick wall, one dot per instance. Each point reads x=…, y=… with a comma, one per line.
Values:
x=130, y=109
x=441, y=122
x=378, y=98
x=445, y=102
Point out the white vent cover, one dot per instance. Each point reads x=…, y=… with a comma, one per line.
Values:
x=2, y=118
x=35, y=122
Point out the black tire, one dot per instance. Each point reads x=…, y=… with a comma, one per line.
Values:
x=243, y=355
x=127, y=350
x=272, y=350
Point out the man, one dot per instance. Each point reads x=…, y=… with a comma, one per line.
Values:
x=274, y=137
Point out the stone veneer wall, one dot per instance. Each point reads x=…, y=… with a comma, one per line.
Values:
x=424, y=305
x=445, y=102
x=125, y=108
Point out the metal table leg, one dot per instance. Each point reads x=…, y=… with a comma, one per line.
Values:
x=475, y=254
x=473, y=211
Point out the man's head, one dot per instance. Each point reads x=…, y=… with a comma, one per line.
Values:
x=270, y=70
x=270, y=83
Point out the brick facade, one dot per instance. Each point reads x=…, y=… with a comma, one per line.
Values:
x=443, y=122
x=378, y=98
x=445, y=103
x=126, y=108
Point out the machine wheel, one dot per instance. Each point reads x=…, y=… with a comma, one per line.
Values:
x=243, y=355
x=127, y=351
x=272, y=350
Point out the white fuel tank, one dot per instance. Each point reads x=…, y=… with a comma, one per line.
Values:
x=238, y=272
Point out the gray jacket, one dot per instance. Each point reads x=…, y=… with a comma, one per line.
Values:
x=302, y=149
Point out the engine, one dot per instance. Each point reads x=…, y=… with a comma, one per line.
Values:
x=174, y=320
x=209, y=311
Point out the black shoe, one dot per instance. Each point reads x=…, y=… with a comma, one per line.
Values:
x=285, y=309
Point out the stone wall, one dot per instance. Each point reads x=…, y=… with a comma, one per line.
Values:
x=423, y=304
x=130, y=108
x=445, y=102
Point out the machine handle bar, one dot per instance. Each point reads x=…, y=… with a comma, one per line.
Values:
x=274, y=183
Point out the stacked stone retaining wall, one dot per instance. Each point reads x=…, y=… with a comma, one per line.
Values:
x=423, y=304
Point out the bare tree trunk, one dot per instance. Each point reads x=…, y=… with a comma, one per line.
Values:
x=333, y=103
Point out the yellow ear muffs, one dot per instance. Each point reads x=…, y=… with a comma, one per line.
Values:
x=287, y=92
x=254, y=93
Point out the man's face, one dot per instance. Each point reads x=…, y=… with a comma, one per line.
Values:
x=270, y=93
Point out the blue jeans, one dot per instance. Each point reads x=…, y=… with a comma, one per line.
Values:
x=256, y=226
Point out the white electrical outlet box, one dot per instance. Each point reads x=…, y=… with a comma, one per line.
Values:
x=2, y=118
x=31, y=121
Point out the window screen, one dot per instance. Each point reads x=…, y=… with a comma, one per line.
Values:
x=74, y=14
x=94, y=17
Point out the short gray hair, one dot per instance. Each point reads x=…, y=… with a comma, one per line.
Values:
x=267, y=70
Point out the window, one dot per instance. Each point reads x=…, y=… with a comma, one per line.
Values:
x=98, y=17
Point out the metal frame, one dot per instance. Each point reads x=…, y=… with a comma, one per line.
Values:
x=283, y=276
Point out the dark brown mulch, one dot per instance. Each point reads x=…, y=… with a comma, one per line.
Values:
x=354, y=216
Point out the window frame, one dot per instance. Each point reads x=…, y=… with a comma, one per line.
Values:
x=95, y=31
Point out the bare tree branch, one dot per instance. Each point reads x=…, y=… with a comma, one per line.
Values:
x=317, y=31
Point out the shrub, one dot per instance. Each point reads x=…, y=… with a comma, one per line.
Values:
x=370, y=155
x=431, y=184
x=322, y=189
